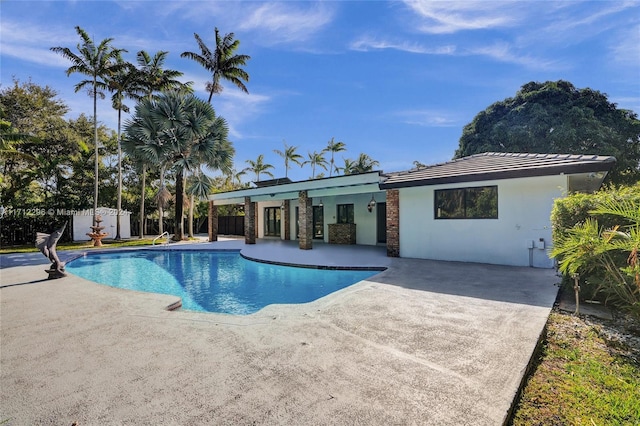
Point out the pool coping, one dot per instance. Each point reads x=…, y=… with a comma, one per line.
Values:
x=175, y=306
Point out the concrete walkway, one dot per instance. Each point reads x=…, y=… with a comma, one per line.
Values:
x=424, y=342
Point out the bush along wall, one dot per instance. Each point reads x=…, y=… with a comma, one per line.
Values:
x=598, y=237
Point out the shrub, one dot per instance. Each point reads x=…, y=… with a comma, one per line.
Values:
x=598, y=237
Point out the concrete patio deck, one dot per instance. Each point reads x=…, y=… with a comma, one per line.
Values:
x=423, y=342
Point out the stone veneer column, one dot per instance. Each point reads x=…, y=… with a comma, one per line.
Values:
x=287, y=221
x=213, y=222
x=393, y=223
x=305, y=216
x=249, y=221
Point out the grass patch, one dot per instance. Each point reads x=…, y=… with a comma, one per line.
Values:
x=582, y=378
x=84, y=245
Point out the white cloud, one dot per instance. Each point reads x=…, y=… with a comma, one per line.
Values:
x=25, y=42
x=287, y=22
x=504, y=52
x=366, y=43
x=238, y=107
x=440, y=17
x=428, y=118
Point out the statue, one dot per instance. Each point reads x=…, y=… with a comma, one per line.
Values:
x=47, y=245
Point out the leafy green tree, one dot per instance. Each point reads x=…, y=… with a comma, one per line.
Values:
x=185, y=132
x=363, y=164
x=333, y=147
x=555, y=117
x=35, y=111
x=222, y=63
x=98, y=62
x=289, y=155
x=258, y=167
x=315, y=159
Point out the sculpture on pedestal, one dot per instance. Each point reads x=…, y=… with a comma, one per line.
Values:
x=46, y=243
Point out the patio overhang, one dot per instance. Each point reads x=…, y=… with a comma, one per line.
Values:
x=326, y=187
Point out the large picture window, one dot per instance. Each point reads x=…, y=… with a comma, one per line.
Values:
x=467, y=203
x=345, y=213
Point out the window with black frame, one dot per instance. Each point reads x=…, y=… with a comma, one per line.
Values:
x=344, y=213
x=466, y=203
x=272, y=221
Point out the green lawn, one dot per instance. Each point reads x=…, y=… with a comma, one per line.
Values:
x=84, y=244
x=583, y=378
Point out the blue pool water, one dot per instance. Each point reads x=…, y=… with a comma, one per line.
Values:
x=211, y=281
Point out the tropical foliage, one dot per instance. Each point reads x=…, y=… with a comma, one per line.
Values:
x=289, y=155
x=602, y=250
x=222, y=62
x=259, y=167
x=98, y=62
x=180, y=132
x=555, y=117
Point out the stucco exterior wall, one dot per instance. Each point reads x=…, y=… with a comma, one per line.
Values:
x=524, y=208
x=366, y=231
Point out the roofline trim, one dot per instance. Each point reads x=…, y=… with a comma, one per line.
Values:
x=567, y=169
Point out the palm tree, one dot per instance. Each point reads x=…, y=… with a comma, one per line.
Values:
x=333, y=147
x=363, y=164
x=610, y=257
x=290, y=155
x=200, y=186
x=259, y=167
x=143, y=143
x=123, y=84
x=221, y=63
x=153, y=78
x=188, y=135
x=316, y=159
x=233, y=180
x=98, y=62
x=347, y=169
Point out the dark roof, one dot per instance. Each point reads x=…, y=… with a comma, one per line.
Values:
x=498, y=165
x=272, y=182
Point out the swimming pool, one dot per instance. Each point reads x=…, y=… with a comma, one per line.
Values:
x=213, y=281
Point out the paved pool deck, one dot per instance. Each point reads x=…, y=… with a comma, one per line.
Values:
x=424, y=342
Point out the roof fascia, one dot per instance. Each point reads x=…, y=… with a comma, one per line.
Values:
x=566, y=169
x=282, y=191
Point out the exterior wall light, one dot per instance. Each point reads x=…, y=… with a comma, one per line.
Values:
x=372, y=204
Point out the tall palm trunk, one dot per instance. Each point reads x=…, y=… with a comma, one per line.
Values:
x=161, y=202
x=95, y=140
x=119, y=201
x=179, y=235
x=142, y=215
x=191, y=204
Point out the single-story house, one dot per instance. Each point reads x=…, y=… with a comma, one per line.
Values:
x=487, y=208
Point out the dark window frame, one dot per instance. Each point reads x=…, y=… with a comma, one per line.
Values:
x=345, y=213
x=463, y=203
x=272, y=222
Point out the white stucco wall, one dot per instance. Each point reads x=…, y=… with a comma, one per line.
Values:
x=366, y=231
x=524, y=208
x=83, y=219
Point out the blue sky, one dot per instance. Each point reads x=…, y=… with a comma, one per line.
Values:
x=396, y=80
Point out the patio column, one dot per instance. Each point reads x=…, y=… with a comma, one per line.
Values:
x=393, y=223
x=213, y=222
x=287, y=221
x=249, y=221
x=305, y=216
